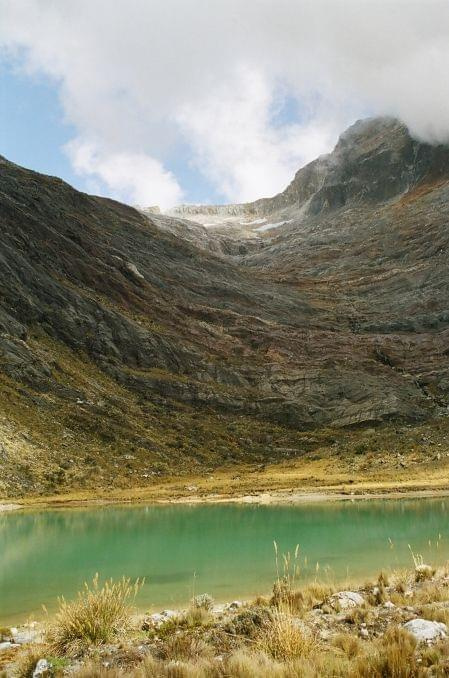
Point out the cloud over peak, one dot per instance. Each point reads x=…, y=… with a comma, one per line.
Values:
x=138, y=79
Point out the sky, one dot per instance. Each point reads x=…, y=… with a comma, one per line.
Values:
x=169, y=101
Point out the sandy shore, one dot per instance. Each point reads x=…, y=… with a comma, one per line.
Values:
x=9, y=507
x=257, y=498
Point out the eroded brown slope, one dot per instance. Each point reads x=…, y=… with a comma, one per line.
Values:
x=129, y=351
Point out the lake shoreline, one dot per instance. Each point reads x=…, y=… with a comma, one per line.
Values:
x=393, y=625
x=289, y=497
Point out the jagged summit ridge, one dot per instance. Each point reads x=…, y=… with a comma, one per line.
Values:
x=374, y=160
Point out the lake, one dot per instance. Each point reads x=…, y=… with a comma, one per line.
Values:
x=225, y=550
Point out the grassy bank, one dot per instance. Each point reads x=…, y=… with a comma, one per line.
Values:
x=308, y=631
x=313, y=478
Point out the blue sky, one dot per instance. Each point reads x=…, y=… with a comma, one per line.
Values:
x=33, y=133
x=32, y=127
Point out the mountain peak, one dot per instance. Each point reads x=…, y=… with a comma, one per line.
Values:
x=375, y=160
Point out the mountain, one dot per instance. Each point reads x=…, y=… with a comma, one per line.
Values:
x=135, y=345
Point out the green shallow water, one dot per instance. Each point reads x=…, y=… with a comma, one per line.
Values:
x=228, y=549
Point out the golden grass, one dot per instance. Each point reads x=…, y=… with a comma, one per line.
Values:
x=5, y=633
x=276, y=638
x=98, y=615
x=392, y=657
x=435, y=613
x=96, y=670
x=27, y=660
x=349, y=644
x=283, y=639
x=183, y=646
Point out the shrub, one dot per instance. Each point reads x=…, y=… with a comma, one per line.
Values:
x=249, y=622
x=96, y=616
x=203, y=602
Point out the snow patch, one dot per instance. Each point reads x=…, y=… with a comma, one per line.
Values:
x=255, y=221
x=267, y=227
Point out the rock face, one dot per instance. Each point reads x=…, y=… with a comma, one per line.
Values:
x=121, y=330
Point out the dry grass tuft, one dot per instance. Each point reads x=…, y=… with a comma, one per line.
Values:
x=359, y=615
x=393, y=657
x=348, y=643
x=284, y=640
x=151, y=668
x=184, y=646
x=98, y=615
x=5, y=633
x=244, y=664
x=203, y=602
x=97, y=670
x=27, y=660
x=435, y=613
x=402, y=580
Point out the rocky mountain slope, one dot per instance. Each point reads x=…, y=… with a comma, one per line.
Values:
x=136, y=344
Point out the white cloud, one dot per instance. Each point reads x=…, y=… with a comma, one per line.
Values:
x=129, y=176
x=140, y=76
x=237, y=144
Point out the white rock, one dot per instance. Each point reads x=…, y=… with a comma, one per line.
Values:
x=132, y=268
x=25, y=636
x=364, y=633
x=6, y=645
x=219, y=609
x=425, y=630
x=42, y=668
x=159, y=618
x=325, y=634
x=389, y=605
x=346, y=600
x=235, y=605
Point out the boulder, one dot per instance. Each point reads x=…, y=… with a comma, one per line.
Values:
x=42, y=669
x=26, y=636
x=344, y=600
x=426, y=631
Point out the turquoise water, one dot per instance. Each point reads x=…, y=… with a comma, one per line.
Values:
x=225, y=550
